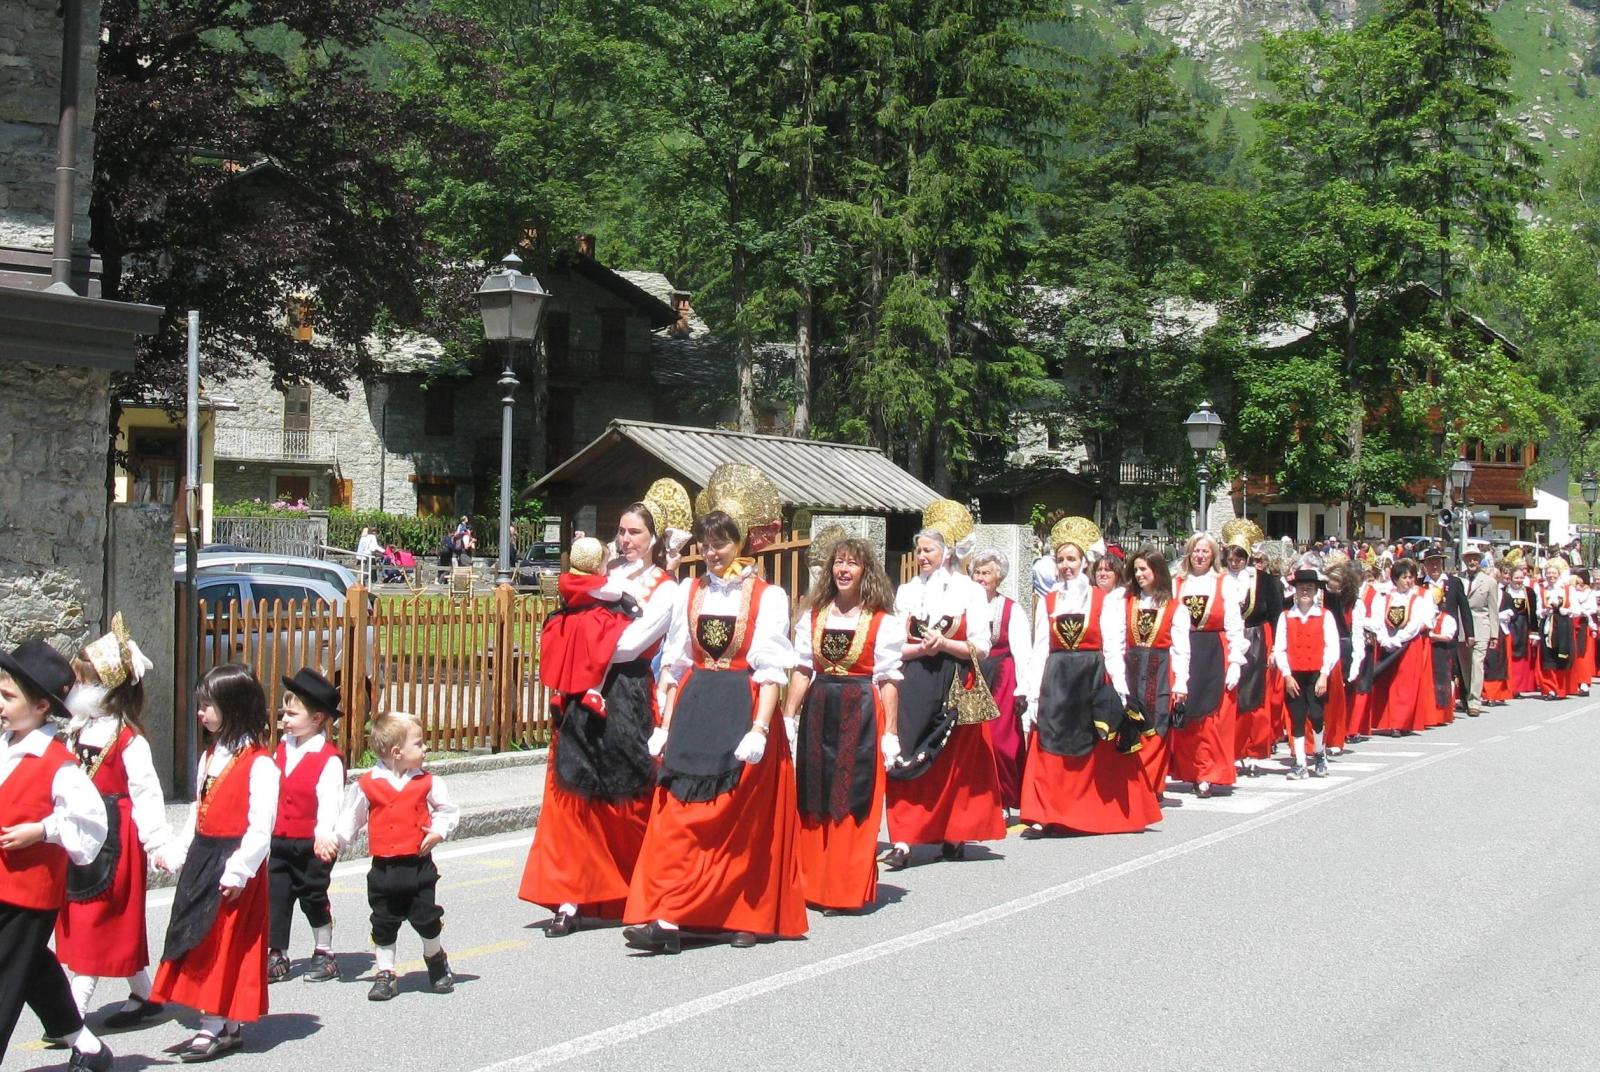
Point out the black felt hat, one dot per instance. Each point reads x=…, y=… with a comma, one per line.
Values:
x=1307, y=576
x=42, y=669
x=318, y=692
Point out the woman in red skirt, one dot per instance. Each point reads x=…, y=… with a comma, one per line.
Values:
x=1259, y=592
x=1201, y=740
x=215, y=960
x=841, y=714
x=600, y=776
x=1157, y=660
x=1010, y=644
x=721, y=853
x=1083, y=776
x=1555, y=631
x=945, y=787
x=1404, y=675
x=1581, y=608
x=1519, y=614
x=101, y=931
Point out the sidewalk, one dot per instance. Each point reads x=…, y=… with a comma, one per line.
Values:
x=496, y=794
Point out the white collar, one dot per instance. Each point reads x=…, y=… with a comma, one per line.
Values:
x=310, y=744
x=32, y=743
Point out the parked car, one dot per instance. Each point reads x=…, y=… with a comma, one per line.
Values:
x=340, y=577
x=542, y=559
x=287, y=647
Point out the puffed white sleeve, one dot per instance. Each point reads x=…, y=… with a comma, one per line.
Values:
x=675, y=660
x=1180, y=649
x=330, y=797
x=352, y=816
x=1033, y=672
x=144, y=791
x=649, y=627
x=886, y=649
x=1020, y=637
x=976, y=607
x=77, y=819
x=771, y=654
x=802, y=641
x=257, y=841
x=1233, y=630
x=444, y=812
x=1114, y=641
x=1280, y=644
x=1330, y=644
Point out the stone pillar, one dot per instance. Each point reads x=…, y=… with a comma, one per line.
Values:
x=139, y=569
x=873, y=529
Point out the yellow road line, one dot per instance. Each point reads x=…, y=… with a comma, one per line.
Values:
x=466, y=954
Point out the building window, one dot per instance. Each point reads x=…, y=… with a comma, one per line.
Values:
x=291, y=489
x=297, y=409
x=435, y=499
x=153, y=461
x=613, y=342
x=1054, y=437
x=557, y=342
x=439, y=410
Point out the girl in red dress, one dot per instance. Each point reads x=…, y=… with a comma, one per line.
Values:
x=1519, y=614
x=215, y=958
x=1404, y=674
x=1341, y=597
x=945, y=788
x=1157, y=659
x=600, y=776
x=841, y=712
x=1201, y=740
x=1555, y=631
x=1010, y=644
x=1082, y=775
x=101, y=931
x=722, y=849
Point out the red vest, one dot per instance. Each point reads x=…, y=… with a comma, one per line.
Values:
x=224, y=809
x=34, y=877
x=397, y=819
x=1207, y=614
x=1305, y=642
x=1062, y=631
x=112, y=775
x=864, y=662
x=737, y=654
x=297, y=799
x=1162, y=637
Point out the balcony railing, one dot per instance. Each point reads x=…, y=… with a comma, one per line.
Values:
x=1131, y=473
x=276, y=445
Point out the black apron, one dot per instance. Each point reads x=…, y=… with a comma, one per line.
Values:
x=926, y=717
x=1444, y=661
x=607, y=757
x=1208, y=672
x=1078, y=708
x=836, y=756
x=199, y=894
x=92, y=881
x=713, y=713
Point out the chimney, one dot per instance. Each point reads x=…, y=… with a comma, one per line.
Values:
x=680, y=305
x=586, y=245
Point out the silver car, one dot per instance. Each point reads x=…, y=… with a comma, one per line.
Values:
x=314, y=569
x=272, y=648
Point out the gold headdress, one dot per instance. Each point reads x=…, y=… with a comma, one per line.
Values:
x=588, y=555
x=823, y=543
x=950, y=519
x=1334, y=558
x=1079, y=531
x=1242, y=533
x=669, y=506
x=1512, y=558
x=115, y=657
x=744, y=493
x=1558, y=562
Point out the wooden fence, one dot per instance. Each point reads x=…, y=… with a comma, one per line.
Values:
x=785, y=563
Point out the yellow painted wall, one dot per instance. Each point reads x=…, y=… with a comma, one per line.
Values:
x=145, y=417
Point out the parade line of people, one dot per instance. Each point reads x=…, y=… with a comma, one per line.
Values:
x=720, y=767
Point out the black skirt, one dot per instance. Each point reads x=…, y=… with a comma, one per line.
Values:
x=1078, y=708
x=1150, y=684
x=1495, y=667
x=836, y=756
x=608, y=757
x=1208, y=670
x=714, y=712
x=199, y=894
x=1444, y=662
x=1556, y=651
x=92, y=881
x=1253, y=675
x=926, y=717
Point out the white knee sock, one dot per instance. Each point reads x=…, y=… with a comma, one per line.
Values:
x=431, y=947
x=385, y=954
x=215, y=1026
x=1316, y=741
x=323, y=938
x=83, y=1041
x=567, y=909
x=1299, y=745
x=82, y=990
x=139, y=984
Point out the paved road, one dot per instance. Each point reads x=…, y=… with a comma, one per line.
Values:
x=1430, y=906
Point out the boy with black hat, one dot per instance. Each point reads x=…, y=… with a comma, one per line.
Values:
x=1306, y=649
x=50, y=813
x=304, y=844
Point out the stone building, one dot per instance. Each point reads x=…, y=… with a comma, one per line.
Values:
x=423, y=438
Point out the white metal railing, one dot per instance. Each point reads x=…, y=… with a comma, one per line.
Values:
x=272, y=444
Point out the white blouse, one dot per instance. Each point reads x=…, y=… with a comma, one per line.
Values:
x=443, y=813
x=330, y=783
x=771, y=655
x=642, y=633
x=1421, y=616
x=77, y=819
x=1076, y=597
x=263, y=812
x=1232, y=618
x=1180, y=640
x=1019, y=636
x=885, y=647
x=144, y=786
x=942, y=594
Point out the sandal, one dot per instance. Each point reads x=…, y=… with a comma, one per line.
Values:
x=208, y=1047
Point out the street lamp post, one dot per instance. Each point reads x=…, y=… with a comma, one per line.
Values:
x=511, y=303
x=1591, y=491
x=1461, y=480
x=1204, y=429
x=1435, y=499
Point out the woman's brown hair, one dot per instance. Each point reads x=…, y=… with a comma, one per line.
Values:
x=1161, y=590
x=876, y=591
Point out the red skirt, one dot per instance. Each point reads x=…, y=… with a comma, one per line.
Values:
x=584, y=850
x=1006, y=739
x=1154, y=758
x=1254, y=732
x=1203, y=751
x=1524, y=671
x=729, y=864
x=226, y=974
x=1336, y=711
x=956, y=799
x=1402, y=697
x=1501, y=690
x=1553, y=679
x=1581, y=672
x=106, y=937
x=839, y=860
x=1104, y=792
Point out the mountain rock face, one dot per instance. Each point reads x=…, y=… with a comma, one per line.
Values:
x=1218, y=34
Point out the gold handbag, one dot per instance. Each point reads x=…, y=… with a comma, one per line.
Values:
x=975, y=703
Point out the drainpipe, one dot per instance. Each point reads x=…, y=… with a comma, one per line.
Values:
x=66, y=147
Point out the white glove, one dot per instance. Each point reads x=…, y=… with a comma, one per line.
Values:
x=889, y=745
x=791, y=726
x=658, y=740
x=751, y=747
x=1028, y=720
x=1354, y=673
x=1231, y=682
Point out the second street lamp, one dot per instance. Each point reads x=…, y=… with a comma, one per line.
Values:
x=1591, y=491
x=1461, y=480
x=1204, y=429
x=511, y=303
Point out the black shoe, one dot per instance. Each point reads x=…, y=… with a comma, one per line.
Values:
x=1034, y=832
x=743, y=940
x=953, y=850
x=204, y=1047
x=384, y=987
x=123, y=1019
x=277, y=967
x=323, y=967
x=98, y=1061
x=439, y=976
x=654, y=937
x=896, y=859
x=562, y=924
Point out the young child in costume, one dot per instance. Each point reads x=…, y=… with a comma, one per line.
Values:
x=50, y=815
x=304, y=844
x=101, y=931
x=215, y=959
x=1306, y=649
x=407, y=812
x=576, y=643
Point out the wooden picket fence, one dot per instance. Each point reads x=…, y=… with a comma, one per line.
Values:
x=785, y=563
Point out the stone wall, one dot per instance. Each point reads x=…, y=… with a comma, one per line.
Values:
x=30, y=99
x=53, y=502
x=140, y=572
x=1018, y=544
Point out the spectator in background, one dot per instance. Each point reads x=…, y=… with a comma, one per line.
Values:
x=367, y=549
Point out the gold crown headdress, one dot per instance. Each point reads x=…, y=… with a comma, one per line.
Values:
x=823, y=543
x=115, y=657
x=669, y=506
x=1242, y=533
x=949, y=519
x=745, y=494
x=1078, y=531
